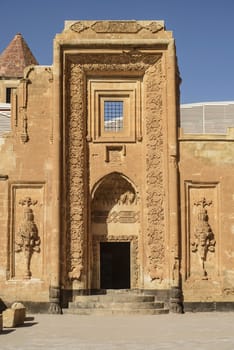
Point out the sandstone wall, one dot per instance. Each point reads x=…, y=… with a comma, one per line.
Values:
x=207, y=221
x=25, y=191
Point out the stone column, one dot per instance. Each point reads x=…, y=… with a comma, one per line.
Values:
x=173, y=110
x=54, y=292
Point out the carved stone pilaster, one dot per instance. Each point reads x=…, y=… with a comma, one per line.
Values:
x=154, y=172
x=75, y=172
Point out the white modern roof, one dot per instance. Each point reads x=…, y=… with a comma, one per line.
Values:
x=5, y=118
x=207, y=117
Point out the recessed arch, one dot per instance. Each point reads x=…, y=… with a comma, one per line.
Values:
x=115, y=224
x=112, y=178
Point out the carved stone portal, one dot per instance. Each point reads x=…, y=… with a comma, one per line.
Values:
x=77, y=67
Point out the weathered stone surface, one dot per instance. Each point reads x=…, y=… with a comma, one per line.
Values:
x=9, y=318
x=20, y=312
x=207, y=222
x=116, y=303
x=14, y=316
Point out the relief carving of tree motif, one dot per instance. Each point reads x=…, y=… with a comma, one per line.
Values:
x=204, y=240
x=27, y=238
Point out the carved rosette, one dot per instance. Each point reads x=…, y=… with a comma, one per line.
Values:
x=154, y=176
x=77, y=66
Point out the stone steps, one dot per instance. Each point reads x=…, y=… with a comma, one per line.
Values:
x=109, y=312
x=116, y=303
x=118, y=298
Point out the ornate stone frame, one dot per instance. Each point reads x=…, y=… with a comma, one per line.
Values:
x=103, y=89
x=76, y=67
x=134, y=263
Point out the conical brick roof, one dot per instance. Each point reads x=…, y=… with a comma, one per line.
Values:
x=15, y=58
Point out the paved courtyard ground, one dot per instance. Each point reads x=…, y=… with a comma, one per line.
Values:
x=189, y=331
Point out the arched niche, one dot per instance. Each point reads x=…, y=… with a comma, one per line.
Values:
x=115, y=222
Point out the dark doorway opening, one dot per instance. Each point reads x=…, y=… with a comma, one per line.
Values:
x=115, y=265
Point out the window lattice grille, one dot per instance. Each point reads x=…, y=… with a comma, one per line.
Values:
x=113, y=116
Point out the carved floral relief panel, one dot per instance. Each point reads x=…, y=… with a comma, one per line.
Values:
x=26, y=240
x=155, y=225
x=202, y=231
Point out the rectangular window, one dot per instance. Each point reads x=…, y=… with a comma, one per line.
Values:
x=113, y=116
x=8, y=95
x=114, y=109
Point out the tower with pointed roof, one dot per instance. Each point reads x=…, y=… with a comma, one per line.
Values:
x=13, y=60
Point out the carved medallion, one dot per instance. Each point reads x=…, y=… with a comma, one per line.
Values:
x=155, y=27
x=78, y=27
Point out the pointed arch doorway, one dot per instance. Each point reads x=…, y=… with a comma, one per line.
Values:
x=115, y=228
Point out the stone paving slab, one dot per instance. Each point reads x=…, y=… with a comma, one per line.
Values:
x=201, y=331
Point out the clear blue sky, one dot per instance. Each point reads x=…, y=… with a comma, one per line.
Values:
x=203, y=29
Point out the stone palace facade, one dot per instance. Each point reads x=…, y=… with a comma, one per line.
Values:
x=99, y=187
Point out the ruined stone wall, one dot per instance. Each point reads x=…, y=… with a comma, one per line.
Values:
x=206, y=185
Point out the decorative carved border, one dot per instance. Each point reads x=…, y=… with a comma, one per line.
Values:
x=75, y=167
x=116, y=26
x=134, y=256
x=154, y=171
